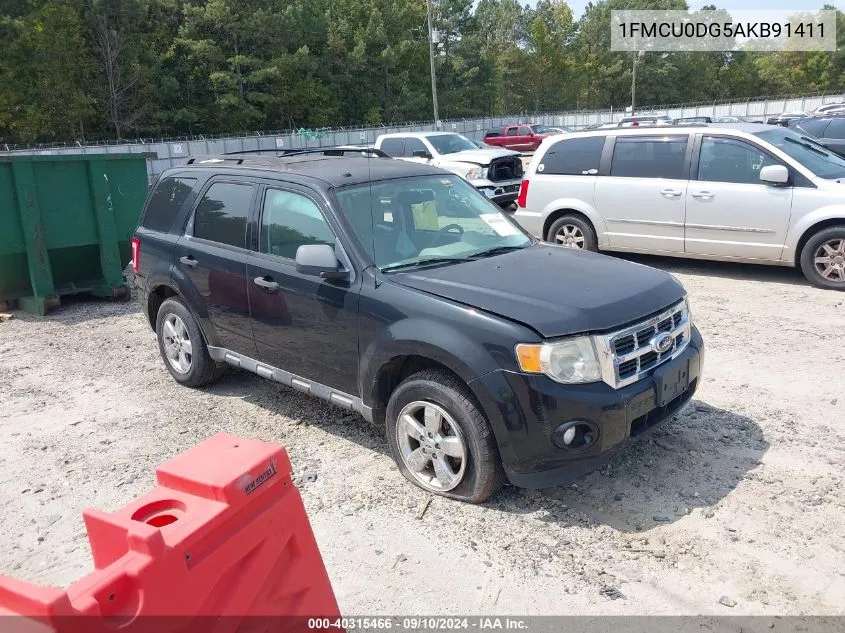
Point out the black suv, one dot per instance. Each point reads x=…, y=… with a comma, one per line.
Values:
x=396, y=290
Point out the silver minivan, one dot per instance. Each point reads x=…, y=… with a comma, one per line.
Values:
x=745, y=192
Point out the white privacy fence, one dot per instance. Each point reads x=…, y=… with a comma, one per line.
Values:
x=174, y=152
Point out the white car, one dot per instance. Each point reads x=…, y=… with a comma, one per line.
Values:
x=828, y=108
x=745, y=192
x=495, y=172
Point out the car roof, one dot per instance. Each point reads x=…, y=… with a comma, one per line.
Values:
x=414, y=134
x=335, y=171
x=651, y=130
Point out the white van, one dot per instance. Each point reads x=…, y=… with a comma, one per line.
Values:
x=745, y=192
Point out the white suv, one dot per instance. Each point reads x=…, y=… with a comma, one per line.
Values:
x=745, y=192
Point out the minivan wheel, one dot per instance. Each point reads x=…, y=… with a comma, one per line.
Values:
x=440, y=440
x=183, y=347
x=823, y=258
x=573, y=231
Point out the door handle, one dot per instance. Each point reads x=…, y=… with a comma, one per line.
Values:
x=267, y=283
x=189, y=261
x=670, y=193
x=702, y=195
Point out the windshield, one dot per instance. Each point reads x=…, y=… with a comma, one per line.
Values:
x=806, y=151
x=408, y=223
x=450, y=143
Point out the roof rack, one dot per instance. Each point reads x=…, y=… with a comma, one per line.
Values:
x=335, y=150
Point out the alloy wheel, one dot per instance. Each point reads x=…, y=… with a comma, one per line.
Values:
x=829, y=260
x=570, y=236
x=432, y=446
x=177, y=344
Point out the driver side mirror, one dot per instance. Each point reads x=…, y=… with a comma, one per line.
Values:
x=774, y=174
x=421, y=153
x=319, y=260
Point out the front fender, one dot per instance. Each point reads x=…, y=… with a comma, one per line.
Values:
x=806, y=223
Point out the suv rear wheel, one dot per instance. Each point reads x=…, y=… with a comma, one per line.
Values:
x=183, y=347
x=440, y=440
x=823, y=258
x=573, y=231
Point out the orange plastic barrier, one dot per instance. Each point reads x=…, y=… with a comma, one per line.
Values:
x=222, y=544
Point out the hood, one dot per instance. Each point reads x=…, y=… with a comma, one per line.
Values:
x=555, y=291
x=477, y=156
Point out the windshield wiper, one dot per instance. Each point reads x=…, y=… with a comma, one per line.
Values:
x=424, y=262
x=808, y=145
x=498, y=250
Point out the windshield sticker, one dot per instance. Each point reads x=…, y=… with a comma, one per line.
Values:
x=499, y=224
x=447, y=182
x=541, y=167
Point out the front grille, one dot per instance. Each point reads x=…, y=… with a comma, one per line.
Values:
x=506, y=168
x=630, y=354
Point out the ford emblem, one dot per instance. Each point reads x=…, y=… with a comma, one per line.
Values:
x=662, y=343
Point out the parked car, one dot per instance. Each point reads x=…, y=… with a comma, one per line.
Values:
x=396, y=290
x=558, y=130
x=525, y=137
x=495, y=172
x=728, y=119
x=636, y=121
x=694, y=119
x=784, y=118
x=743, y=192
x=828, y=131
x=828, y=108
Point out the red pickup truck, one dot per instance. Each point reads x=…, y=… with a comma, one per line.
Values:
x=522, y=137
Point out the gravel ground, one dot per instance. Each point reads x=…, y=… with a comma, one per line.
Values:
x=738, y=498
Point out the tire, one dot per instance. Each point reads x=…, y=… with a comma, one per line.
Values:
x=479, y=473
x=197, y=367
x=578, y=227
x=828, y=243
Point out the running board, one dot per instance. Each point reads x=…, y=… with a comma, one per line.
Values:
x=335, y=397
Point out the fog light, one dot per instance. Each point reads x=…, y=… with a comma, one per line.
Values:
x=575, y=435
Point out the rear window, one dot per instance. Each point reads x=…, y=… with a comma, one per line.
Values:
x=169, y=196
x=813, y=127
x=573, y=157
x=221, y=215
x=649, y=157
x=835, y=130
x=495, y=132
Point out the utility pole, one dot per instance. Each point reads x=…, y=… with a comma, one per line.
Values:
x=431, y=59
x=634, y=83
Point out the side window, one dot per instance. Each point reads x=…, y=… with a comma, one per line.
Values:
x=731, y=160
x=525, y=131
x=414, y=145
x=649, y=157
x=814, y=127
x=167, y=199
x=836, y=130
x=290, y=220
x=393, y=146
x=573, y=157
x=221, y=215
x=512, y=131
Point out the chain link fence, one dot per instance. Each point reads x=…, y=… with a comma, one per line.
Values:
x=175, y=151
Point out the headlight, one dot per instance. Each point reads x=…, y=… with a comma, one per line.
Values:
x=476, y=173
x=570, y=361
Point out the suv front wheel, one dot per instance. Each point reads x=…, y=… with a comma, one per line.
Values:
x=183, y=347
x=823, y=258
x=440, y=440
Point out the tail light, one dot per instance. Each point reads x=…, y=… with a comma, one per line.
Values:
x=136, y=252
x=522, y=198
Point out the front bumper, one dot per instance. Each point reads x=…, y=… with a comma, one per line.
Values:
x=503, y=193
x=528, y=408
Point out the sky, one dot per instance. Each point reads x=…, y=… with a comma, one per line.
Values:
x=577, y=6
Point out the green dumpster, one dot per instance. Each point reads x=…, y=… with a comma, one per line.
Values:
x=66, y=222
